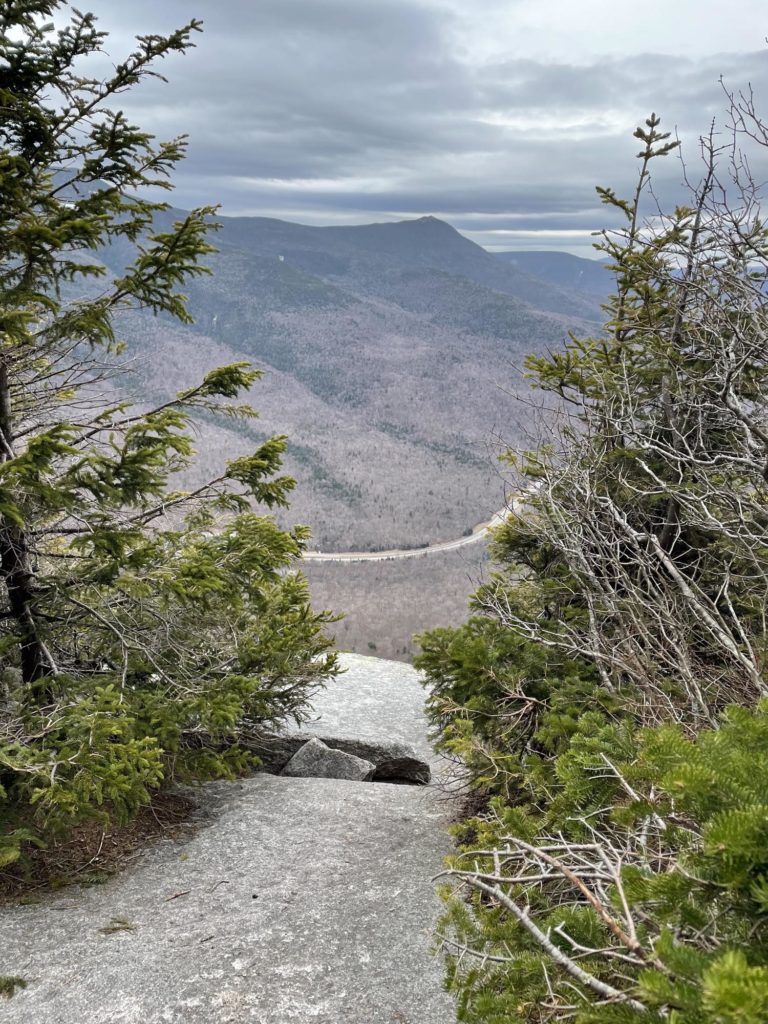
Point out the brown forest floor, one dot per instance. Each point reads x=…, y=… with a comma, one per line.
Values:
x=90, y=854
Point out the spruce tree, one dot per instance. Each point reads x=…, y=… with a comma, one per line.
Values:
x=608, y=697
x=139, y=623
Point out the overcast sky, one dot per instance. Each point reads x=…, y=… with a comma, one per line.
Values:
x=499, y=116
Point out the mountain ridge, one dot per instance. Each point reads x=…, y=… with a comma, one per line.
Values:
x=358, y=254
x=390, y=362
x=562, y=269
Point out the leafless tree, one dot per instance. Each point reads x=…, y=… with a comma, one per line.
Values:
x=653, y=474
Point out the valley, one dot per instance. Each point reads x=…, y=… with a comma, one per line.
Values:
x=393, y=359
x=386, y=602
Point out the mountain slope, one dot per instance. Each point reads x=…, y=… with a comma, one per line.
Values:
x=391, y=362
x=358, y=257
x=561, y=269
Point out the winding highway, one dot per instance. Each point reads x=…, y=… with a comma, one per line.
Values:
x=479, y=533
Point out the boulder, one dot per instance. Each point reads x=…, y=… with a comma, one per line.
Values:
x=315, y=760
x=394, y=761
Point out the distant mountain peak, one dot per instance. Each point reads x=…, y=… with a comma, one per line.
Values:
x=425, y=227
x=432, y=222
x=372, y=258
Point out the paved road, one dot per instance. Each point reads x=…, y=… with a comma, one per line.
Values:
x=480, y=532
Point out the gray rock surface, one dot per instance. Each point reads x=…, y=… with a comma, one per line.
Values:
x=374, y=700
x=392, y=759
x=314, y=760
x=301, y=901
x=371, y=712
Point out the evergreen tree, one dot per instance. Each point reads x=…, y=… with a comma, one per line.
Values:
x=619, y=873
x=139, y=623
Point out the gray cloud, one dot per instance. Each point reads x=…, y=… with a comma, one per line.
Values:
x=344, y=111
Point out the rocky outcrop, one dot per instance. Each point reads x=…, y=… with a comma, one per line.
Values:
x=292, y=901
x=393, y=760
x=314, y=760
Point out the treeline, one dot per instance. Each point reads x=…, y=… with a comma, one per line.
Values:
x=607, y=698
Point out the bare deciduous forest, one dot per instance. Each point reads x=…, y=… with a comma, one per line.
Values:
x=385, y=603
x=391, y=358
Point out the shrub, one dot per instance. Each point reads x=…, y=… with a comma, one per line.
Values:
x=139, y=624
x=605, y=694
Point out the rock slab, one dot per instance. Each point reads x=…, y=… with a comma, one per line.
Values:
x=314, y=760
x=302, y=901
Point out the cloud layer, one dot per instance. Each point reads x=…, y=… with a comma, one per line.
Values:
x=345, y=111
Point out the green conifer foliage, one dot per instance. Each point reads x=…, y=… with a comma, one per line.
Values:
x=139, y=623
x=608, y=696
x=640, y=888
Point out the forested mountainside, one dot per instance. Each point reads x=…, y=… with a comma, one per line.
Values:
x=587, y=277
x=391, y=351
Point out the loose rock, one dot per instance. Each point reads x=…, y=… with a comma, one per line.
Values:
x=393, y=760
x=314, y=760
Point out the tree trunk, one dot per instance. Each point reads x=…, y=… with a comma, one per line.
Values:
x=15, y=562
x=19, y=580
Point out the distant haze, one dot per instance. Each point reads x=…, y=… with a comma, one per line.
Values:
x=499, y=115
